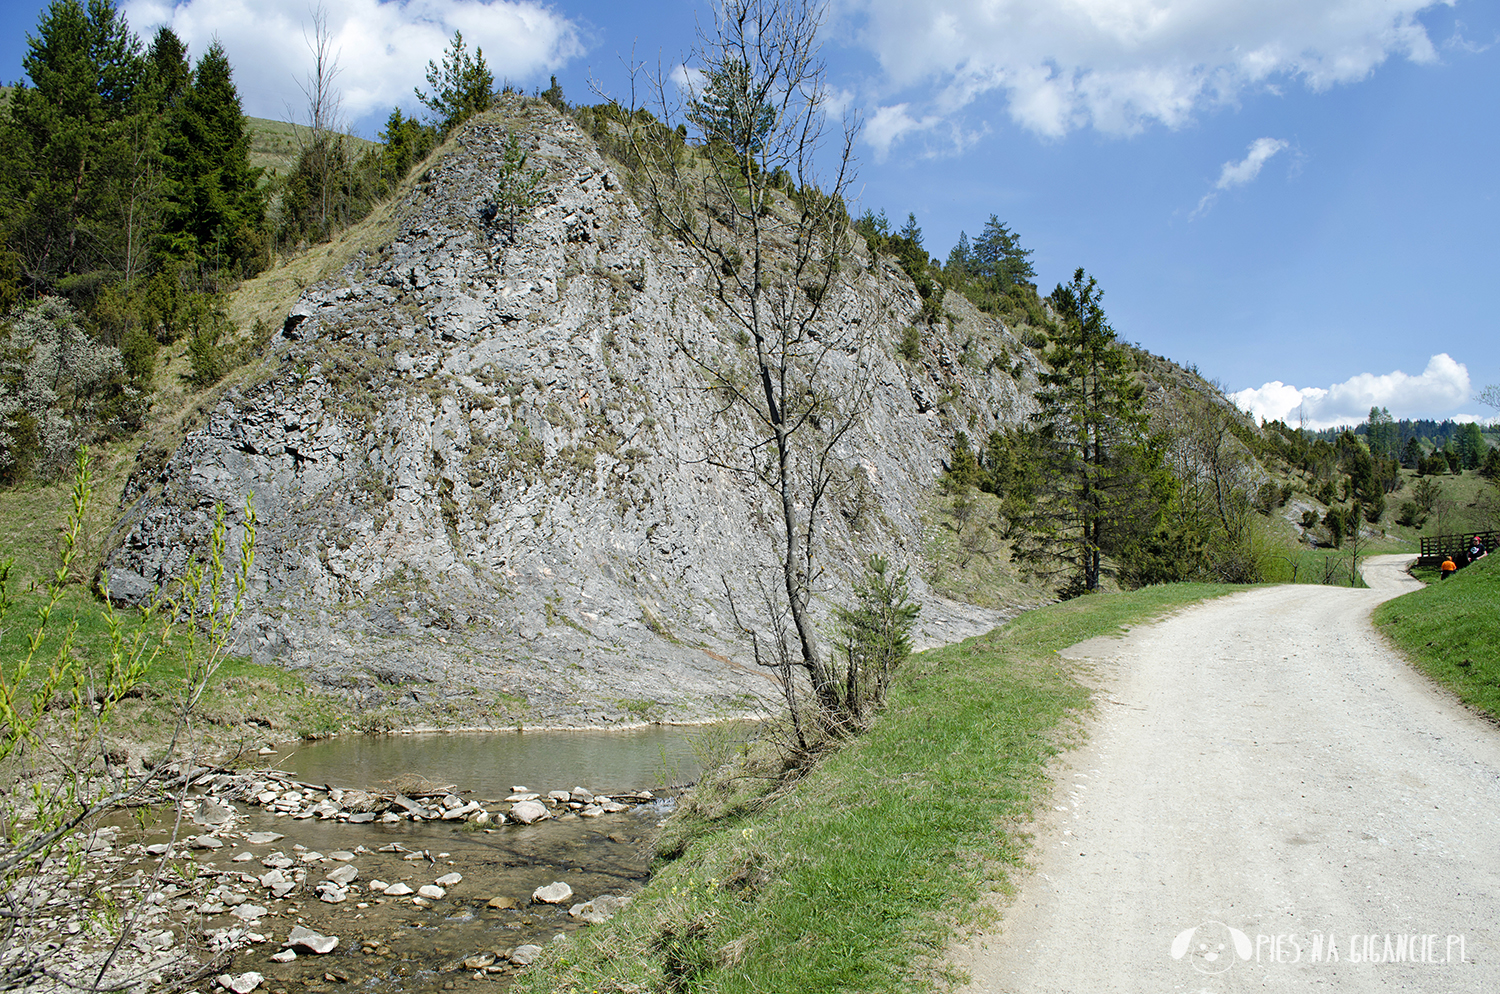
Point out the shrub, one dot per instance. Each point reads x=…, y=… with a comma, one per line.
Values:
x=910, y=347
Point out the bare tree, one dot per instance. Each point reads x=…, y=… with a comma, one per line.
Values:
x=324, y=109
x=748, y=200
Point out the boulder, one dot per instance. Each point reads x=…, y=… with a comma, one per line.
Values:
x=600, y=910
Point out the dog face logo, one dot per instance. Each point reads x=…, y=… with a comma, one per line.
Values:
x=1212, y=947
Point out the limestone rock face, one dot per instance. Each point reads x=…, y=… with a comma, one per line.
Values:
x=484, y=469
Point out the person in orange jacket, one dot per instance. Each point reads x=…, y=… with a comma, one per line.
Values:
x=1448, y=567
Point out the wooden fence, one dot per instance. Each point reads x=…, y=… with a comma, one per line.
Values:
x=1435, y=547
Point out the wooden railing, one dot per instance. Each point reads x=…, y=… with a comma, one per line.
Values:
x=1435, y=547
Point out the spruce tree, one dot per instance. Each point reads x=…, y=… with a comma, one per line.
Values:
x=733, y=108
x=215, y=209
x=1091, y=425
x=67, y=142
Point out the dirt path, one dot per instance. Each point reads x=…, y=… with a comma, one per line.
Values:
x=1264, y=772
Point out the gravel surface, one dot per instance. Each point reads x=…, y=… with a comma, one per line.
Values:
x=1271, y=799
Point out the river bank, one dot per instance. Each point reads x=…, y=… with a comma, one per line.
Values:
x=256, y=880
x=856, y=873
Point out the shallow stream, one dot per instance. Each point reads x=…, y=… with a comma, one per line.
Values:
x=398, y=944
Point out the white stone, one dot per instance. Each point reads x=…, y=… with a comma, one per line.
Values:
x=449, y=879
x=556, y=892
x=242, y=984
x=306, y=938
x=343, y=875
x=527, y=812
x=398, y=889
x=432, y=892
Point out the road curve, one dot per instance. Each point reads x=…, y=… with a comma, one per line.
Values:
x=1270, y=800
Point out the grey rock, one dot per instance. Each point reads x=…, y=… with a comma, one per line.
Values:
x=263, y=838
x=512, y=418
x=398, y=889
x=242, y=983
x=432, y=892
x=449, y=879
x=527, y=812
x=343, y=875
x=600, y=910
x=525, y=955
x=305, y=938
x=556, y=892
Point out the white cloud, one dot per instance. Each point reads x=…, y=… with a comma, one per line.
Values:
x=1121, y=65
x=1441, y=387
x=1235, y=174
x=383, y=47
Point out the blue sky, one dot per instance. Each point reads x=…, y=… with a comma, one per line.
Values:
x=1298, y=197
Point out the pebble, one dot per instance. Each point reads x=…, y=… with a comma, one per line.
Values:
x=449, y=879
x=432, y=892
x=398, y=889
x=284, y=956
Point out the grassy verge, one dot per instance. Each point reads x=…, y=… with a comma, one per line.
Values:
x=1451, y=631
x=855, y=875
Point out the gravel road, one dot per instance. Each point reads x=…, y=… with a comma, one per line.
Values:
x=1270, y=800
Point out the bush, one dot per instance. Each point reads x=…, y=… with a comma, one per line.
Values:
x=59, y=387
x=910, y=347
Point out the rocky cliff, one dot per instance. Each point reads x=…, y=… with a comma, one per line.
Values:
x=479, y=463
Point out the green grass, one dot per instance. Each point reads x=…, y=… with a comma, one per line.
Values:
x=856, y=875
x=1451, y=631
x=275, y=145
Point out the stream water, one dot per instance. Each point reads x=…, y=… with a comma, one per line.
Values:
x=396, y=944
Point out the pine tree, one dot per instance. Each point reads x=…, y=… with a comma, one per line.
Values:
x=461, y=87
x=733, y=108
x=1091, y=424
x=215, y=208
x=67, y=142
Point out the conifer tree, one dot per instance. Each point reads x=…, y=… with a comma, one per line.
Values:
x=215, y=208
x=66, y=141
x=461, y=86
x=734, y=108
x=1091, y=424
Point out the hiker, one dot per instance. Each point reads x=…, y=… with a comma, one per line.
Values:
x=1477, y=550
x=1448, y=567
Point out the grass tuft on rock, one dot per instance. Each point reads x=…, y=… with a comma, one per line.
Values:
x=854, y=874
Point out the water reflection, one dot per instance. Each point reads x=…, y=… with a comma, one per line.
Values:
x=489, y=764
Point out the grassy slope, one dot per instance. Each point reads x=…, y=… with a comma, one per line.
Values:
x=855, y=876
x=275, y=145
x=1451, y=631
